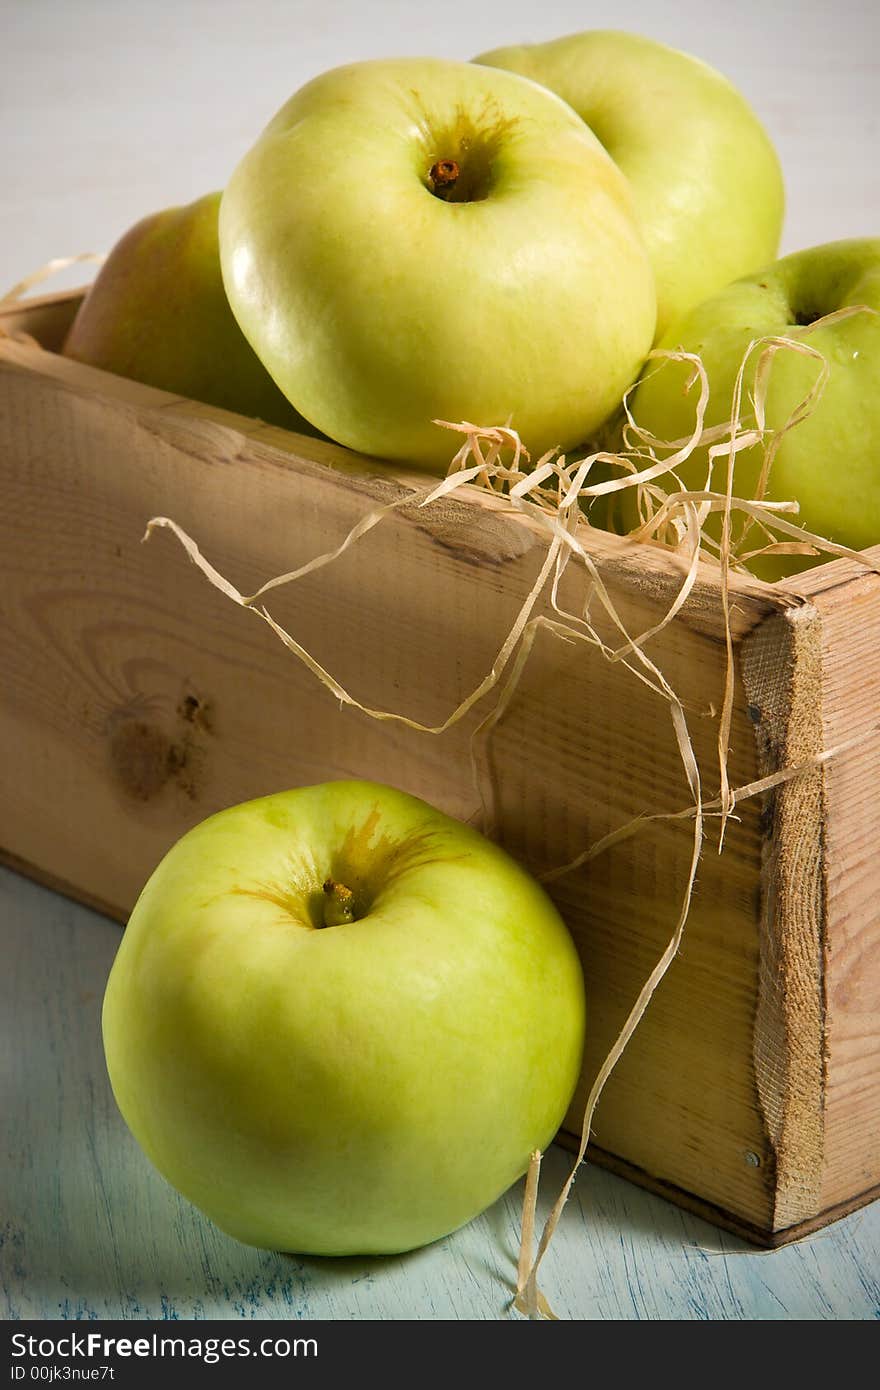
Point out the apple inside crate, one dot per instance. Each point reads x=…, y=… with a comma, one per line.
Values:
x=136, y=700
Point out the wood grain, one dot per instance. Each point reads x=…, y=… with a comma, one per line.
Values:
x=782, y=667
x=850, y=614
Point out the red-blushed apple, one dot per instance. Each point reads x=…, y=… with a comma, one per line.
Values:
x=829, y=462
x=420, y=239
x=705, y=177
x=339, y=1021
x=157, y=313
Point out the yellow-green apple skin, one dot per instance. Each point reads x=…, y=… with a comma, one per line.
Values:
x=705, y=177
x=379, y=306
x=357, y=1088
x=830, y=462
x=158, y=313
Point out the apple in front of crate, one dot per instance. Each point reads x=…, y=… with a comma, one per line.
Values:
x=157, y=313
x=705, y=177
x=830, y=462
x=417, y=239
x=340, y=1021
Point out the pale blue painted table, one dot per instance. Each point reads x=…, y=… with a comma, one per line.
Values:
x=89, y=1230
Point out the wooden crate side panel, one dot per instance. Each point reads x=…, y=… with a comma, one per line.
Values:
x=123, y=664
x=851, y=642
x=782, y=665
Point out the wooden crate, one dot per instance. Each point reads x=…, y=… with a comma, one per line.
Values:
x=136, y=699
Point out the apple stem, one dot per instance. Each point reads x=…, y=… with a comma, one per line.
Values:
x=338, y=904
x=444, y=176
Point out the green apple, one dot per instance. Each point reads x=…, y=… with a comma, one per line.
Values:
x=157, y=313
x=830, y=462
x=420, y=239
x=706, y=180
x=340, y=1021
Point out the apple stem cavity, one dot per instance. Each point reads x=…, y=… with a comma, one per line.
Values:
x=443, y=175
x=338, y=904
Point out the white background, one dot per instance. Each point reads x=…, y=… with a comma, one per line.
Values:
x=111, y=110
